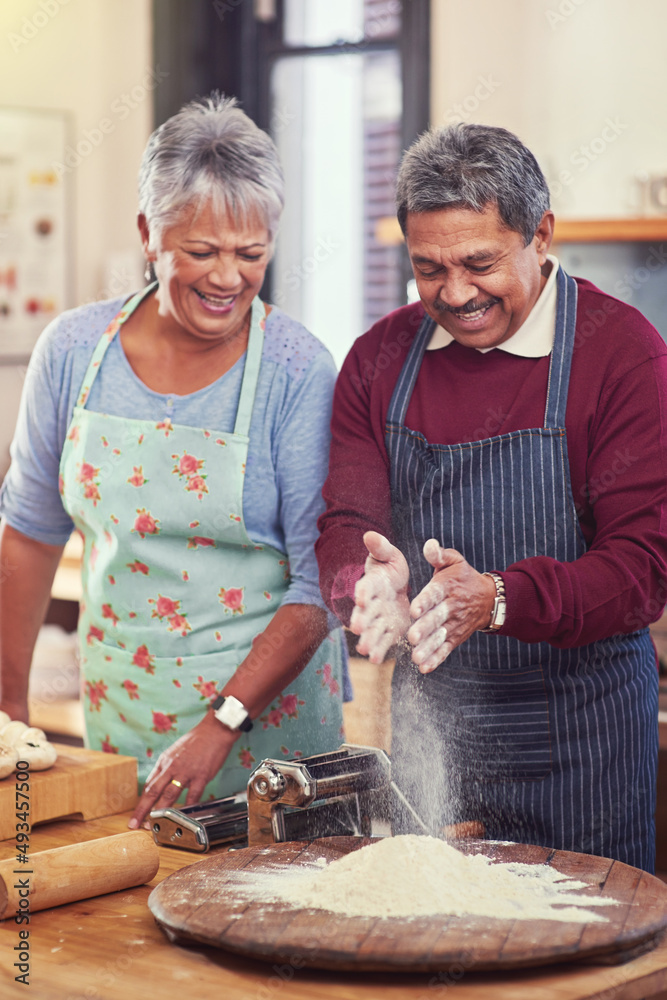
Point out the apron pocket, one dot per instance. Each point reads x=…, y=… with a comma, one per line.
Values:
x=497, y=723
x=488, y=725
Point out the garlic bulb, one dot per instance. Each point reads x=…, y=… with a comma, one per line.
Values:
x=25, y=743
x=33, y=735
x=8, y=758
x=38, y=755
x=13, y=732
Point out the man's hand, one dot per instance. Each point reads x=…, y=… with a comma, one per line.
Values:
x=381, y=616
x=455, y=603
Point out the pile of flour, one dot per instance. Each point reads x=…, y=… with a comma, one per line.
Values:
x=415, y=876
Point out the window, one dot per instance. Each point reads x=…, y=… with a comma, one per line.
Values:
x=343, y=88
x=335, y=112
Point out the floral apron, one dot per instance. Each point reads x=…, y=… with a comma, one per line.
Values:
x=174, y=590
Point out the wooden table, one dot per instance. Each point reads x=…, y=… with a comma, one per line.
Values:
x=109, y=948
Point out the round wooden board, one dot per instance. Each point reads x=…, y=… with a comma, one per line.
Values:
x=207, y=903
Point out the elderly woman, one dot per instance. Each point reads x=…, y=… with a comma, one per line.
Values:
x=184, y=433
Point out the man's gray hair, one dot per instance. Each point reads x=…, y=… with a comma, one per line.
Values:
x=472, y=166
x=211, y=150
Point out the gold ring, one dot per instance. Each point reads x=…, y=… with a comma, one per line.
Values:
x=175, y=781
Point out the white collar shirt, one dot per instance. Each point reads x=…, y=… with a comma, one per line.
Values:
x=534, y=338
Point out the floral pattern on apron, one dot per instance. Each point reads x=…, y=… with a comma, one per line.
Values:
x=175, y=591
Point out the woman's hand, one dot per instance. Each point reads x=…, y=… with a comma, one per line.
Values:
x=381, y=614
x=193, y=760
x=455, y=603
x=276, y=657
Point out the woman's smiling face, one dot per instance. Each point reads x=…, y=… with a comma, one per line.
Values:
x=209, y=269
x=475, y=277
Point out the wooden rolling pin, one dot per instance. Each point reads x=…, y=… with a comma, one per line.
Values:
x=77, y=871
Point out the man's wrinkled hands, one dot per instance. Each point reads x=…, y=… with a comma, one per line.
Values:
x=381, y=614
x=454, y=603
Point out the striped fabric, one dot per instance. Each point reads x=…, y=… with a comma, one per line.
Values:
x=547, y=746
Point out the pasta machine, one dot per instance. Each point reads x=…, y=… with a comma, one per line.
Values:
x=346, y=792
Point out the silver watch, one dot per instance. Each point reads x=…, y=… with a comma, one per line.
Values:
x=499, y=605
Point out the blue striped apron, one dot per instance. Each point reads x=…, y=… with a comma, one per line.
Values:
x=547, y=746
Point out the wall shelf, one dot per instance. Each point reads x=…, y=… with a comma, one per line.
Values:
x=628, y=230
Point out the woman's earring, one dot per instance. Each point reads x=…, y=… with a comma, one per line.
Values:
x=149, y=273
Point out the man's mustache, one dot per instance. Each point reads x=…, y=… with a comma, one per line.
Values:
x=469, y=307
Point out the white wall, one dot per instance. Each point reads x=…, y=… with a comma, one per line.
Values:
x=91, y=58
x=558, y=72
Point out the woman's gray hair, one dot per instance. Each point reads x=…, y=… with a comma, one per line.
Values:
x=472, y=166
x=211, y=150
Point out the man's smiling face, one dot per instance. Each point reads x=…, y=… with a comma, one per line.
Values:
x=475, y=277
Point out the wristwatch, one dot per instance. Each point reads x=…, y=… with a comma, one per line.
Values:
x=499, y=605
x=231, y=712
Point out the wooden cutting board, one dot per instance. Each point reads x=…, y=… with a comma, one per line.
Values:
x=206, y=903
x=83, y=784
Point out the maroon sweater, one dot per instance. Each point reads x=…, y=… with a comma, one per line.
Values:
x=616, y=424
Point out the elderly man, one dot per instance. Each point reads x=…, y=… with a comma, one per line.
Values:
x=496, y=511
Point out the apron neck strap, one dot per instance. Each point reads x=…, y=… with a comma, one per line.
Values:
x=136, y=300
x=253, y=362
x=406, y=380
x=108, y=336
x=559, y=365
x=561, y=354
